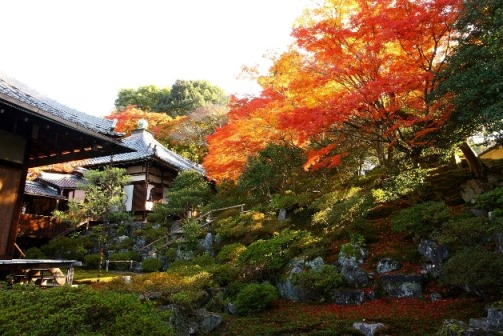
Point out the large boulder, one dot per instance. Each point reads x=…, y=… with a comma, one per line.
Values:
x=434, y=252
x=286, y=288
x=353, y=275
x=207, y=321
x=316, y=264
x=402, y=286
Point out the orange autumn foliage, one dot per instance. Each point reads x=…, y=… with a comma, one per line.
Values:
x=359, y=72
x=380, y=59
x=252, y=124
x=159, y=124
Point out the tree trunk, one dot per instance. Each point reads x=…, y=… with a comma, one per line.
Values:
x=477, y=167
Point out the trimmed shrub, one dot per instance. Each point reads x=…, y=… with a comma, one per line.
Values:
x=78, y=311
x=264, y=258
x=34, y=253
x=491, y=199
x=255, y=298
x=92, y=261
x=421, y=219
x=150, y=265
x=67, y=248
x=322, y=285
x=247, y=227
x=230, y=253
x=475, y=268
x=462, y=232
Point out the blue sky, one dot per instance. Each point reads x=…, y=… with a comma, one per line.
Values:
x=82, y=52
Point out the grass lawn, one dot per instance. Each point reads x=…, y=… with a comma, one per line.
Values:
x=86, y=276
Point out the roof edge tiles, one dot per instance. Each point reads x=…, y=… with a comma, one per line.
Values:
x=21, y=95
x=147, y=147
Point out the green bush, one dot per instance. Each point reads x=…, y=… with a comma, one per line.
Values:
x=491, y=199
x=264, y=258
x=468, y=231
x=247, y=227
x=421, y=219
x=125, y=256
x=67, y=248
x=475, y=267
x=340, y=209
x=255, y=298
x=78, y=311
x=150, y=265
x=230, y=253
x=92, y=261
x=404, y=183
x=34, y=253
x=322, y=284
x=224, y=274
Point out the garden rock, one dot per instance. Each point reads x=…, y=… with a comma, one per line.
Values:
x=433, y=251
x=495, y=319
x=435, y=297
x=498, y=238
x=386, y=265
x=231, y=308
x=367, y=329
x=207, y=321
x=349, y=297
x=352, y=274
x=282, y=214
x=139, y=243
x=207, y=243
x=402, y=286
x=286, y=289
x=178, y=320
x=316, y=264
x=472, y=189
x=452, y=327
x=359, y=255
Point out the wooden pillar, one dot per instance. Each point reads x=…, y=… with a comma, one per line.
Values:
x=13, y=170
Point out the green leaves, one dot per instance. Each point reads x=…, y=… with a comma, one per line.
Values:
x=189, y=191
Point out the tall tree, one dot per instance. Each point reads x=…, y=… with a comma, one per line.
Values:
x=378, y=60
x=473, y=81
x=145, y=97
x=186, y=96
x=358, y=76
x=188, y=135
x=104, y=201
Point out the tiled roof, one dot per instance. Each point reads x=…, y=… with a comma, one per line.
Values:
x=146, y=147
x=62, y=181
x=36, y=188
x=19, y=91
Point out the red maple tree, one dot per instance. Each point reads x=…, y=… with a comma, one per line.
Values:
x=358, y=76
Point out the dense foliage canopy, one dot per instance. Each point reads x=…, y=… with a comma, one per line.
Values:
x=356, y=80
